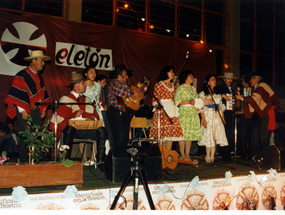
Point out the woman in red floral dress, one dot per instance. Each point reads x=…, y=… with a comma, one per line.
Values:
x=164, y=92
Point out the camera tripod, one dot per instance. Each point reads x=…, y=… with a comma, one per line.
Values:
x=137, y=173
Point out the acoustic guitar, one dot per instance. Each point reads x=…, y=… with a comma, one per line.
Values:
x=132, y=103
x=169, y=158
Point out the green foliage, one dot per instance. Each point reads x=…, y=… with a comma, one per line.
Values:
x=38, y=137
x=64, y=161
x=4, y=153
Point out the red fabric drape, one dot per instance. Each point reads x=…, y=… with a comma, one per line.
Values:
x=144, y=54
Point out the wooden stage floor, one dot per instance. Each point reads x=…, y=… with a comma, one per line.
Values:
x=95, y=179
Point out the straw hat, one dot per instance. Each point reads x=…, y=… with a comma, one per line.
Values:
x=76, y=77
x=35, y=54
x=228, y=75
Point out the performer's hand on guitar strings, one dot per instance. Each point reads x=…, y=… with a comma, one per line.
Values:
x=136, y=94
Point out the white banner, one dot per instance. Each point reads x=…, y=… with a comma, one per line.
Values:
x=240, y=193
x=79, y=56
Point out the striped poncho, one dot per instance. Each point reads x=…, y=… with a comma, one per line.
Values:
x=27, y=88
x=263, y=101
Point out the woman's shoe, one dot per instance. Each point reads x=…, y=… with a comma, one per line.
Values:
x=196, y=163
x=91, y=163
x=86, y=163
x=207, y=159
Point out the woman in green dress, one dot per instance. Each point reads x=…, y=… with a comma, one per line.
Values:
x=188, y=115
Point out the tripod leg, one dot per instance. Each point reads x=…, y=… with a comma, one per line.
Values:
x=146, y=189
x=122, y=189
x=136, y=185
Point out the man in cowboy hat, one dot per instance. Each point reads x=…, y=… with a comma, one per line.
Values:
x=226, y=90
x=71, y=110
x=27, y=89
x=260, y=106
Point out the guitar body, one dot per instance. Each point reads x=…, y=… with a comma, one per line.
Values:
x=169, y=158
x=132, y=103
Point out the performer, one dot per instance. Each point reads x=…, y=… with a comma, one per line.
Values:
x=93, y=91
x=27, y=89
x=103, y=103
x=79, y=112
x=212, y=127
x=118, y=117
x=260, y=106
x=164, y=92
x=188, y=115
x=93, y=88
x=226, y=89
x=245, y=125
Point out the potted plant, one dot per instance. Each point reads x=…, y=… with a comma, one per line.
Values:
x=38, y=139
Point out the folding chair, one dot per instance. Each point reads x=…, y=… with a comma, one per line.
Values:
x=144, y=125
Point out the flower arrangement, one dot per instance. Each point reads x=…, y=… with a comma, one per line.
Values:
x=3, y=157
x=38, y=139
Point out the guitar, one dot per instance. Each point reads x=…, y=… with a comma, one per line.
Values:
x=132, y=103
x=169, y=158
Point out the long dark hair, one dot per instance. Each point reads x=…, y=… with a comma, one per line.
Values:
x=163, y=73
x=206, y=86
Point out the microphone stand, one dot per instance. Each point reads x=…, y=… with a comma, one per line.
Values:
x=186, y=59
x=55, y=105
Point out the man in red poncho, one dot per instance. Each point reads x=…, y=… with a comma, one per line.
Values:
x=27, y=89
x=260, y=106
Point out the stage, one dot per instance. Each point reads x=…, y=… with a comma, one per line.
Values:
x=173, y=192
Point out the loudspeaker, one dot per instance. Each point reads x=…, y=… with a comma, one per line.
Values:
x=118, y=163
x=269, y=158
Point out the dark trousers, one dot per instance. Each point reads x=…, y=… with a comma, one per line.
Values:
x=100, y=135
x=120, y=126
x=244, y=137
x=108, y=127
x=229, y=128
x=23, y=151
x=260, y=136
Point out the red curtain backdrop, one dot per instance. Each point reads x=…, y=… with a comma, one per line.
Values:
x=144, y=54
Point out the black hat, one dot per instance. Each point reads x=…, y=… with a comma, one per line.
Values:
x=120, y=67
x=245, y=77
x=113, y=74
x=256, y=74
